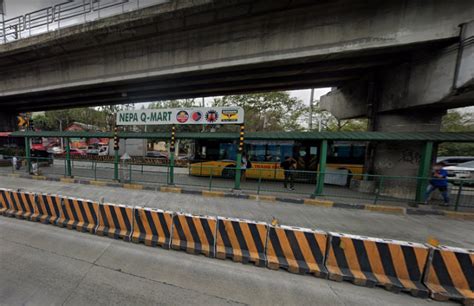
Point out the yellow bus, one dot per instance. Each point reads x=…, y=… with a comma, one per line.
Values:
x=217, y=158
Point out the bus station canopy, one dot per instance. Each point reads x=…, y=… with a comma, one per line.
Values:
x=337, y=136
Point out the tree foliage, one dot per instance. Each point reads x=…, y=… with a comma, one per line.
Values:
x=274, y=111
x=52, y=120
x=456, y=121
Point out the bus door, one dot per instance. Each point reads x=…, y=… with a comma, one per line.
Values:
x=307, y=157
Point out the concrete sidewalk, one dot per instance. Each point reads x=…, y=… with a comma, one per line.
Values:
x=402, y=227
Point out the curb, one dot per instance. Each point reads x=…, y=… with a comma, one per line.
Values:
x=266, y=198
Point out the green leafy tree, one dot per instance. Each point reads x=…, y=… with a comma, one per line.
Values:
x=455, y=121
x=274, y=111
x=53, y=120
x=327, y=122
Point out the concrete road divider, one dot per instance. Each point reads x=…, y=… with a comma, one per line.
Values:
x=395, y=265
x=194, y=234
x=4, y=200
x=78, y=214
x=298, y=250
x=152, y=227
x=241, y=240
x=450, y=274
x=48, y=208
x=22, y=205
x=115, y=221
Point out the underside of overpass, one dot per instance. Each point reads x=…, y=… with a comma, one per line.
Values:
x=401, y=63
x=187, y=49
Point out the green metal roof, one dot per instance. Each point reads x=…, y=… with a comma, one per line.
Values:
x=341, y=136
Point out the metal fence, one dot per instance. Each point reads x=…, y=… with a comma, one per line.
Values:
x=65, y=14
x=339, y=187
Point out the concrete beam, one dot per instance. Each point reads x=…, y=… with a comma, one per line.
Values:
x=439, y=79
x=195, y=37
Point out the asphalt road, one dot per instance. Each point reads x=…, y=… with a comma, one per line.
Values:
x=46, y=265
x=414, y=228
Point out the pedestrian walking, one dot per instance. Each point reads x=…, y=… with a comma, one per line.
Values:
x=243, y=167
x=15, y=163
x=438, y=181
x=289, y=166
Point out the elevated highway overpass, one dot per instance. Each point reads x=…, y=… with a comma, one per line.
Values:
x=400, y=63
x=183, y=49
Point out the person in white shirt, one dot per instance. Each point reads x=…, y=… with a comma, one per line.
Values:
x=243, y=167
x=14, y=163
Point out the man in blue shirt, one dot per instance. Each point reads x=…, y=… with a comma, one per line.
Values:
x=439, y=181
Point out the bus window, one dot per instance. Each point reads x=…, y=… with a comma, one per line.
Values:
x=227, y=151
x=286, y=150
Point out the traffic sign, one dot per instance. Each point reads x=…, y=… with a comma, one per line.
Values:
x=22, y=121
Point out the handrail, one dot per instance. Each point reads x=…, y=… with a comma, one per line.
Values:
x=50, y=18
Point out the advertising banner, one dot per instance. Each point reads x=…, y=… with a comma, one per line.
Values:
x=202, y=115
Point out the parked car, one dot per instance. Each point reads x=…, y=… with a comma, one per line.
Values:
x=55, y=150
x=93, y=150
x=76, y=152
x=156, y=154
x=461, y=171
x=453, y=160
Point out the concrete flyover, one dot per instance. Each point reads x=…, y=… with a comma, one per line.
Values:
x=384, y=60
x=198, y=48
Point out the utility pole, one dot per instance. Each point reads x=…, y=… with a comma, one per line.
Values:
x=311, y=100
x=61, y=129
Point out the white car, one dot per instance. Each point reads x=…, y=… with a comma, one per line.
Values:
x=55, y=150
x=463, y=171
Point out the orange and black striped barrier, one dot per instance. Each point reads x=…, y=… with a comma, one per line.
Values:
x=450, y=274
x=4, y=200
x=241, y=240
x=298, y=250
x=194, y=234
x=152, y=227
x=78, y=214
x=48, y=207
x=395, y=265
x=115, y=221
x=22, y=205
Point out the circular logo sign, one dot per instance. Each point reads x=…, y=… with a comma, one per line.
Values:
x=196, y=116
x=182, y=116
x=211, y=116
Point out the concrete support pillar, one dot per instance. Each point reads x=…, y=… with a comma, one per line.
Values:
x=397, y=159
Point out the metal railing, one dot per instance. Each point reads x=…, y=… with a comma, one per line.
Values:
x=359, y=189
x=64, y=15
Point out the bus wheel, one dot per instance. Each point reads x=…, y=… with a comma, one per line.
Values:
x=228, y=172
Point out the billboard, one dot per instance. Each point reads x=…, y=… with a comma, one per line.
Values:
x=202, y=115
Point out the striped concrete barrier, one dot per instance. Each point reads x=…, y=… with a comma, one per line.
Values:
x=395, y=265
x=22, y=205
x=194, y=234
x=152, y=227
x=48, y=208
x=450, y=274
x=78, y=214
x=4, y=200
x=241, y=240
x=298, y=250
x=115, y=221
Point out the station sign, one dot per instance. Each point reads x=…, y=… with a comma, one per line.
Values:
x=182, y=116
